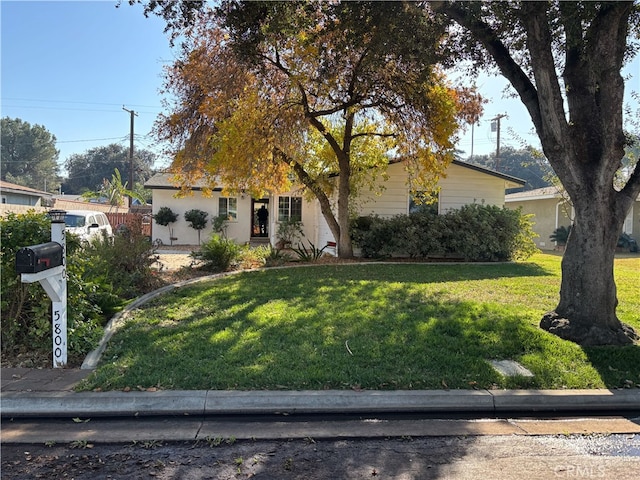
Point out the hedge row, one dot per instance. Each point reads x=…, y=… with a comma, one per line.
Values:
x=472, y=233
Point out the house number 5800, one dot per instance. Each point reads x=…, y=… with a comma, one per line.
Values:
x=57, y=334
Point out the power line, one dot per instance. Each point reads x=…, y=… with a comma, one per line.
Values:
x=76, y=102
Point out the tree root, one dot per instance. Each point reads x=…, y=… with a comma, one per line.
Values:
x=588, y=335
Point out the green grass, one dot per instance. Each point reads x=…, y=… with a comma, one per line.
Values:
x=374, y=326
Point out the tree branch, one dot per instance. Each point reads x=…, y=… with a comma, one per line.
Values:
x=500, y=54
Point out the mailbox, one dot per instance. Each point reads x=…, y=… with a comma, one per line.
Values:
x=37, y=258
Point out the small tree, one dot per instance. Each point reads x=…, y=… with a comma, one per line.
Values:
x=165, y=217
x=197, y=219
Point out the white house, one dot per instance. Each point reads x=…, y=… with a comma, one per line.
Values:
x=551, y=210
x=463, y=184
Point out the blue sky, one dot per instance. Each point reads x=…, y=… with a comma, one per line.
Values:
x=71, y=67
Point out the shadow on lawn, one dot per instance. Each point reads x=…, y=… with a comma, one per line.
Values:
x=619, y=367
x=389, y=326
x=353, y=327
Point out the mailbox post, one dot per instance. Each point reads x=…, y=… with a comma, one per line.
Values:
x=46, y=263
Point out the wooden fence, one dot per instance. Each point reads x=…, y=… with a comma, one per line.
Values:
x=134, y=221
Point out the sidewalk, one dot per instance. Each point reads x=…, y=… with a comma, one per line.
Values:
x=49, y=392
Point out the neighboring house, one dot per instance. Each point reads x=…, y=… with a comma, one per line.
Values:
x=19, y=199
x=463, y=184
x=551, y=210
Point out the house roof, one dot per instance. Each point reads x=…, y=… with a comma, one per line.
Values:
x=164, y=181
x=543, y=193
x=19, y=189
x=514, y=180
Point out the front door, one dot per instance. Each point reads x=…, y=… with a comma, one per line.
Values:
x=260, y=218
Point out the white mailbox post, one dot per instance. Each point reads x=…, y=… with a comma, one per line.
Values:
x=47, y=264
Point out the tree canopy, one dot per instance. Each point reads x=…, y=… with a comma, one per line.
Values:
x=28, y=155
x=87, y=171
x=315, y=91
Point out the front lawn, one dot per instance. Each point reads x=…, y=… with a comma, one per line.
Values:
x=373, y=326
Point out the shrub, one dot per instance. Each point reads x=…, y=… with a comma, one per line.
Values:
x=474, y=233
x=26, y=308
x=627, y=242
x=288, y=232
x=121, y=265
x=560, y=235
x=218, y=254
x=276, y=257
x=220, y=224
x=253, y=257
x=311, y=254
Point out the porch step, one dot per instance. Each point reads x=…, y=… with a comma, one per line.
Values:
x=259, y=241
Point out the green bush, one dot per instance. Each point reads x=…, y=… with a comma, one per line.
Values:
x=309, y=254
x=218, y=254
x=473, y=233
x=26, y=308
x=560, y=235
x=165, y=217
x=121, y=266
x=276, y=257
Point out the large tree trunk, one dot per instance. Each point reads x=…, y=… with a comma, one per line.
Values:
x=345, y=247
x=584, y=143
x=339, y=227
x=586, y=313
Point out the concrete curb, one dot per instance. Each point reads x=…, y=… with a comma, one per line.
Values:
x=214, y=402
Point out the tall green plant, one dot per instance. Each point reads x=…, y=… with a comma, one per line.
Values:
x=197, y=220
x=288, y=232
x=115, y=191
x=165, y=217
x=122, y=265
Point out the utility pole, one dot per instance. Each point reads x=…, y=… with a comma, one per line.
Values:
x=132, y=114
x=495, y=127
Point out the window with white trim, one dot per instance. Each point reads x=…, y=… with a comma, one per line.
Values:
x=290, y=209
x=228, y=207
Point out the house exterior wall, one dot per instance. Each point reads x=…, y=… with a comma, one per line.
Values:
x=238, y=230
x=632, y=224
x=548, y=214
x=21, y=199
x=460, y=187
x=310, y=220
x=463, y=186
